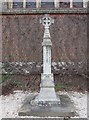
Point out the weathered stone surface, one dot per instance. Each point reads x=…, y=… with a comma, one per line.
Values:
x=45, y=118
x=44, y=11
x=65, y=108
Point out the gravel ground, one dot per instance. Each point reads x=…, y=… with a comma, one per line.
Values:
x=10, y=104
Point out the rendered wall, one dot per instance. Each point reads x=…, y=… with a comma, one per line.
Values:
x=22, y=38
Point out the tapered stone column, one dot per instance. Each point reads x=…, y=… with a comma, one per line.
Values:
x=84, y=3
x=71, y=3
x=38, y=3
x=10, y=3
x=24, y=3
x=56, y=3
x=47, y=91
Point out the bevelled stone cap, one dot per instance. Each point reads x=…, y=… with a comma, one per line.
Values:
x=47, y=11
x=47, y=42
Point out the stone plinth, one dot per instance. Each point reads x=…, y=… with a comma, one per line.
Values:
x=64, y=109
x=47, y=93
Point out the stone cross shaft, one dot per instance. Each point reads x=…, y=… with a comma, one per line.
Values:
x=46, y=21
x=47, y=94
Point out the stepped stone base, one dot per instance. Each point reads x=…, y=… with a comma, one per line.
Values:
x=47, y=94
x=64, y=109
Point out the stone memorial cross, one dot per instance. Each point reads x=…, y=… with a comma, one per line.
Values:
x=47, y=94
x=47, y=103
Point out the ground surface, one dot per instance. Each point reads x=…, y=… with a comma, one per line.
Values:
x=12, y=102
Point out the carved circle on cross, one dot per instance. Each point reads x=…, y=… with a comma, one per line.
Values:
x=47, y=21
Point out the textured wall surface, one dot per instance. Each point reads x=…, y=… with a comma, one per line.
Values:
x=22, y=37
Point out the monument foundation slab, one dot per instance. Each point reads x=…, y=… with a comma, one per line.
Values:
x=64, y=109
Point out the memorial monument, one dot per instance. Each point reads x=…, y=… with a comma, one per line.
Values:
x=47, y=102
x=47, y=93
